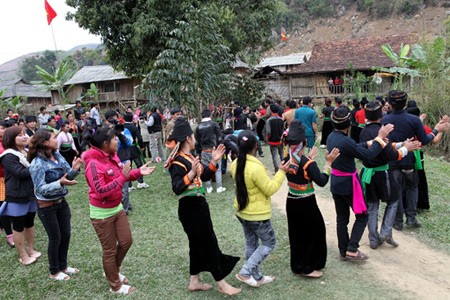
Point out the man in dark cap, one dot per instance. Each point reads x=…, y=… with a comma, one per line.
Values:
x=408, y=126
x=30, y=122
x=345, y=185
x=377, y=178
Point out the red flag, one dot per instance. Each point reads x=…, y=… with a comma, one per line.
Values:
x=51, y=13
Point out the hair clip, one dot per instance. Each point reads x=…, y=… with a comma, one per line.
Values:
x=93, y=131
x=244, y=138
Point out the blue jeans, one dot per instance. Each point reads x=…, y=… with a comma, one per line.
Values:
x=277, y=155
x=408, y=181
x=206, y=159
x=56, y=221
x=386, y=225
x=255, y=253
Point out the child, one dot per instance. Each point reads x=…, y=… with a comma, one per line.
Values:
x=305, y=222
x=193, y=211
x=253, y=208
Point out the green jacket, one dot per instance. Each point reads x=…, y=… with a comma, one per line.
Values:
x=259, y=188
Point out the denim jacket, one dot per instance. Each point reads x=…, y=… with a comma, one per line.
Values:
x=46, y=175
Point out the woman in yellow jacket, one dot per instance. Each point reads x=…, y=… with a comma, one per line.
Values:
x=253, y=208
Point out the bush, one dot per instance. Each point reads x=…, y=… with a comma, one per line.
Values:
x=409, y=7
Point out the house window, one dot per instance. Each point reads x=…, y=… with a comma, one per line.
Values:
x=109, y=87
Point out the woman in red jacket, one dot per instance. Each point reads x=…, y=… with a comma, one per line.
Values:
x=105, y=175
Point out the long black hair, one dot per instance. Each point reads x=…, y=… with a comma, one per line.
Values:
x=246, y=143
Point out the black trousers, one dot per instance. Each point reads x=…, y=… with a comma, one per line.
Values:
x=343, y=204
x=56, y=221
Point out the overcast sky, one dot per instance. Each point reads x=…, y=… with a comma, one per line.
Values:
x=24, y=29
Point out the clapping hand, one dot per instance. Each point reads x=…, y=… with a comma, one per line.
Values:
x=146, y=170
x=218, y=152
x=126, y=169
x=76, y=163
x=312, y=153
x=193, y=172
x=330, y=157
x=65, y=181
x=284, y=165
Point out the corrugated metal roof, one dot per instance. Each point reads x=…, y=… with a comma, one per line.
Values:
x=91, y=74
x=288, y=60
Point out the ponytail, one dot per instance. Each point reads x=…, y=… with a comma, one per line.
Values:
x=246, y=143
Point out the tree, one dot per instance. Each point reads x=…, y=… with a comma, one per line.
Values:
x=196, y=65
x=55, y=82
x=27, y=69
x=403, y=64
x=136, y=32
x=93, y=92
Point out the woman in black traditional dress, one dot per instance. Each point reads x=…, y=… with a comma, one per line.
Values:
x=305, y=222
x=193, y=211
x=327, y=127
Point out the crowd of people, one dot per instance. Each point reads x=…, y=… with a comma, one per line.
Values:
x=41, y=157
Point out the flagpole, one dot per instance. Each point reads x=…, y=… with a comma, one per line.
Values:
x=54, y=42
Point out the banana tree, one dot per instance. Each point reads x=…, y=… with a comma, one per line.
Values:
x=402, y=62
x=56, y=81
x=93, y=92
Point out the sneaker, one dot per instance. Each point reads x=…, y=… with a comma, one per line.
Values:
x=261, y=154
x=142, y=185
x=414, y=224
x=209, y=190
x=221, y=189
x=130, y=189
x=323, y=146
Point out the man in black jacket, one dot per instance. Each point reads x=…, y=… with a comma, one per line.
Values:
x=154, y=126
x=209, y=136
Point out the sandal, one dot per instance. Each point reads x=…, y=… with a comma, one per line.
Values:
x=122, y=278
x=35, y=254
x=313, y=274
x=250, y=281
x=71, y=271
x=124, y=290
x=32, y=260
x=266, y=279
x=358, y=257
x=60, y=276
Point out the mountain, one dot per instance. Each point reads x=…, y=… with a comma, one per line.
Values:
x=9, y=69
x=427, y=23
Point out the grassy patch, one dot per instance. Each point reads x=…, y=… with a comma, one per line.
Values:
x=157, y=263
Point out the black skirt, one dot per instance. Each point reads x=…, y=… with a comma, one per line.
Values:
x=327, y=128
x=307, y=236
x=204, y=252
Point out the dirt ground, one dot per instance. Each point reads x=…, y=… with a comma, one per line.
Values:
x=417, y=270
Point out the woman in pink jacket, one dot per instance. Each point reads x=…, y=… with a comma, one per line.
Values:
x=105, y=175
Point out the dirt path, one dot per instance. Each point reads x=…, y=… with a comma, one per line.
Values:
x=417, y=270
